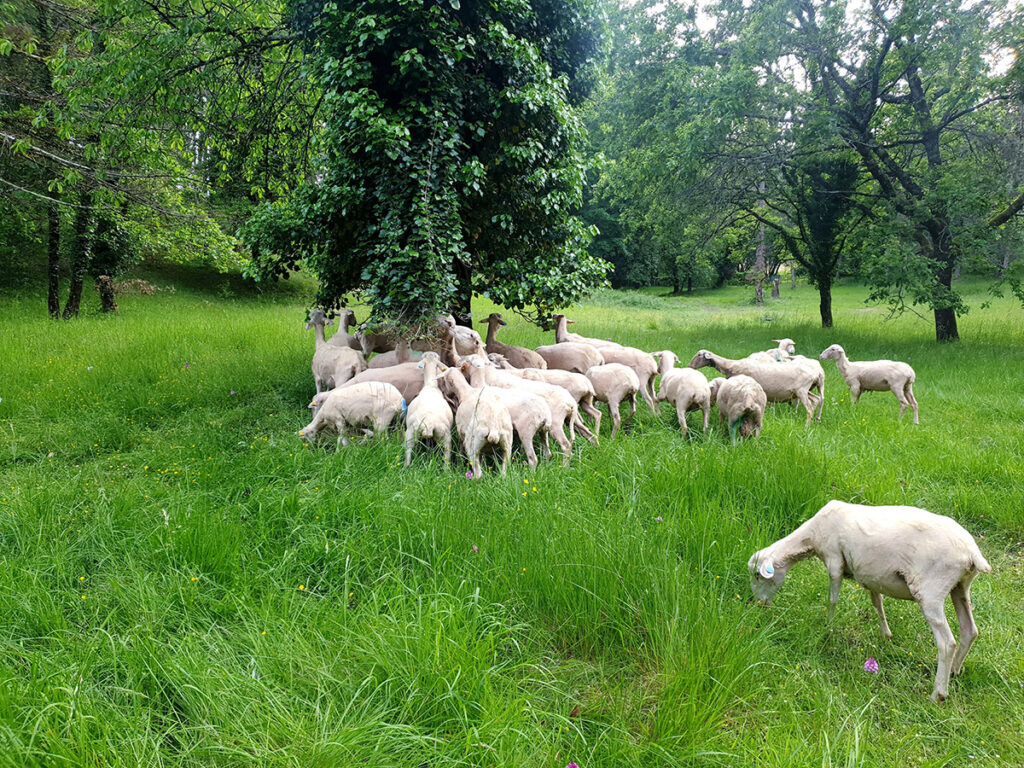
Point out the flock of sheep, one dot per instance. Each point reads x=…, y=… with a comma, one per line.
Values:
x=490, y=392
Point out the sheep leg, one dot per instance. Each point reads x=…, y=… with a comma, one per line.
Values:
x=706, y=410
x=563, y=443
x=613, y=409
x=582, y=428
x=587, y=405
x=904, y=403
x=528, y=449
x=883, y=625
x=410, y=438
x=854, y=392
x=733, y=426
x=342, y=436
x=961, y=596
x=681, y=413
x=632, y=407
x=908, y=389
x=645, y=386
x=835, y=582
x=821, y=394
x=808, y=404
x=758, y=422
x=936, y=617
x=546, y=446
x=506, y=453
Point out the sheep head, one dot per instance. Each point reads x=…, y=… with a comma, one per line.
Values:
x=494, y=317
x=702, y=359
x=766, y=576
x=317, y=317
x=832, y=353
x=787, y=344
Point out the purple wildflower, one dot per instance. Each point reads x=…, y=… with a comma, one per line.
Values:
x=573, y=763
x=186, y=366
x=871, y=665
x=475, y=549
x=232, y=391
x=469, y=475
x=658, y=519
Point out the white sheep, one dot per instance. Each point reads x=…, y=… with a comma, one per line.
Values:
x=643, y=366
x=613, y=383
x=876, y=376
x=903, y=552
x=784, y=351
x=429, y=416
x=372, y=405
x=483, y=422
x=400, y=354
x=531, y=415
x=571, y=356
x=685, y=388
x=741, y=402
x=781, y=382
x=562, y=334
x=332, y=365
x=407, y=377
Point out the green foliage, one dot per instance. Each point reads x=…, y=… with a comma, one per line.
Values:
x=450, y=160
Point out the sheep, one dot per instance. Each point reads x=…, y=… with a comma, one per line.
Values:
x=781, y=381
x=571, y=356
x=576, y=384
x=643, y=366
x=562, y=334
x=876, y=376
x=564, y=409
x=741, y=402
x=370, y=404
x=903, y=552
x=784, y=351
x=332, y=365
x=400, y=354
x=407, y=377
x=520, y=357
x=613, y=383
x=685, y=388
x=343, y=338
x=429, y=416
x=530, y=414
x=482, y=421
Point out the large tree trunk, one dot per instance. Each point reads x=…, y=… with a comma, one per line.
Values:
x=462, y=306
x=942, y=252
x=759, y=262
x=53, y=263
x=85, y=228
x=775, y=286
x=825, y=302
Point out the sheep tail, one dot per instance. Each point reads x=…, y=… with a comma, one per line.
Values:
x=980, y=563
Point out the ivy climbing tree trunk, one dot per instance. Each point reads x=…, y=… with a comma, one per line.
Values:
x=462, y=306
x=85, y=228
x=53, y=262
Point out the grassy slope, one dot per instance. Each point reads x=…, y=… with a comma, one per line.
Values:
x=182, y=583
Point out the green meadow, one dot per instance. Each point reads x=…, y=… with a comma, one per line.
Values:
x=183, y=582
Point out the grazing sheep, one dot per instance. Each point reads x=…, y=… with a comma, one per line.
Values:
x=685, y=388
x=876, y=376
x=520, y=357
x=903, y=552
x=781, y=381
x=371, y=404
x=643, y=366
x=483, y=422
x=407, y=377
x=429, y=416
x=530, y=414
x=571, y=356
x=562, y=334
x=332, y=365
x=343, y=338
x=741, y=402
x=613, y=383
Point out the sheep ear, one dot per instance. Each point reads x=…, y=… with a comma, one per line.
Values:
x=766, y=570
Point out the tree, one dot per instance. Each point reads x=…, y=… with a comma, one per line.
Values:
x=451, y=159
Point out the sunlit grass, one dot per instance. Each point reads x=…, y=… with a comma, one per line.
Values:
x=184, y=583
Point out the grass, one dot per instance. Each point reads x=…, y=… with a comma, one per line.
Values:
x=182, y=583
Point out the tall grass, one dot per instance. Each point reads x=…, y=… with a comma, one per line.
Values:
x=183, y=583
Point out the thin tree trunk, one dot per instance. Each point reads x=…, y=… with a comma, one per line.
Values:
x=462, y=306
x=760, y=257
x=792, y=275
x=775, y=286
x=825, y=302
x=85, y=227
x=945, y=317
x=53, y=262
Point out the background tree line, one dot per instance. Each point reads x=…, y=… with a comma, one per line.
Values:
x=413, y=154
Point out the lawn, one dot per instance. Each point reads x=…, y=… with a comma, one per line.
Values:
x=184, y=583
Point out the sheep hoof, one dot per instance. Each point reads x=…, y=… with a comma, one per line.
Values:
x=938, y=698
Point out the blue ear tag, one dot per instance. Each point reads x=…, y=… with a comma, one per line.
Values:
x=768, y=569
